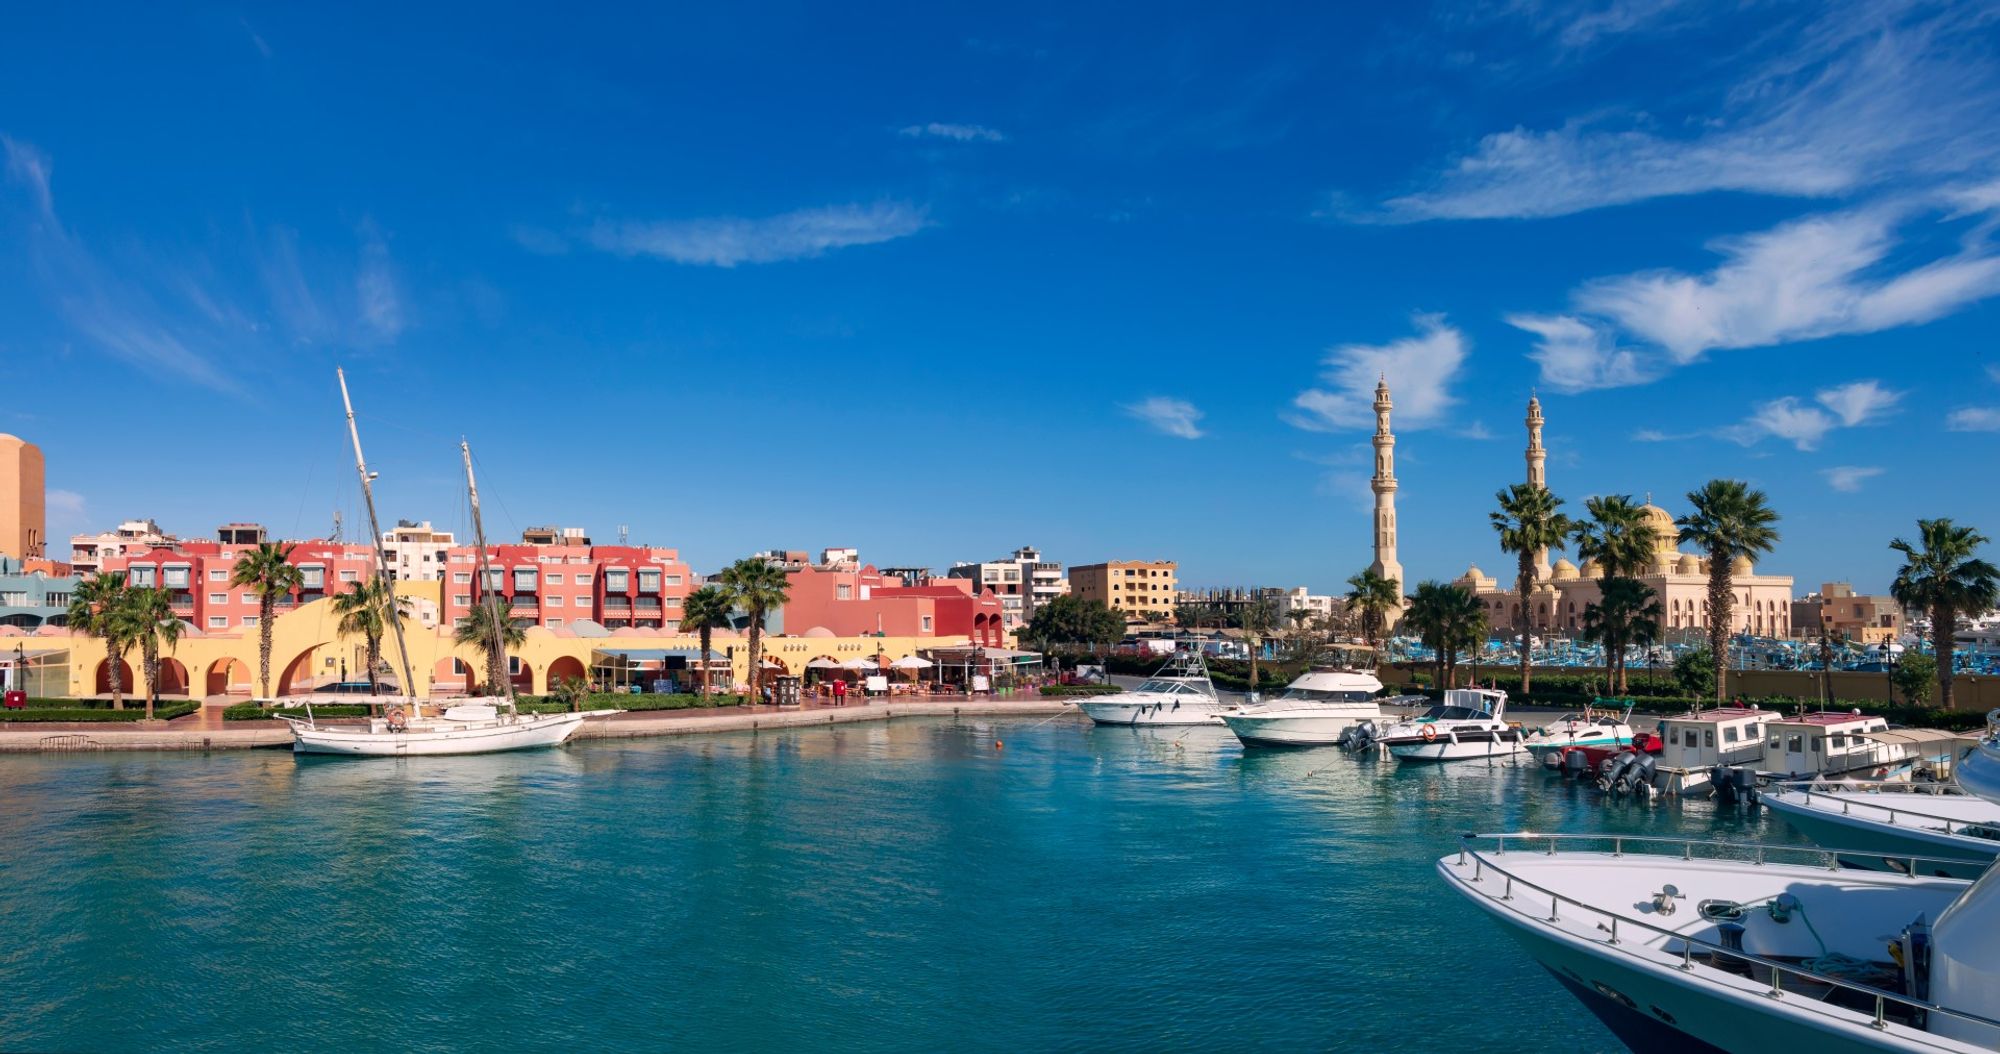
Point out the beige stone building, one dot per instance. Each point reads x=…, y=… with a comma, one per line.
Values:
x=1136, y=587
x=1848, y=615
x=24, y=528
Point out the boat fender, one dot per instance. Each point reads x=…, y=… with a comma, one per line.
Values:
x=1430, y=733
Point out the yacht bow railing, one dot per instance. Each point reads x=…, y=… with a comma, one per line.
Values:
x=1828, y=858
x=1837, y=793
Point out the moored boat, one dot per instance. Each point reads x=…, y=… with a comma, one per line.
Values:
x=1591, y=728
x=1178, y=693
x=1317, y=708
x=1682, y=944
x=1469, y=723
x=473, y=726
x=1892, y=822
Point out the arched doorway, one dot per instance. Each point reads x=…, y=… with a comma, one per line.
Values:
x=125, y=679
x=564, y=668
x=298, y=675
x=173, y=676
x=450, y=676
x=228, y=676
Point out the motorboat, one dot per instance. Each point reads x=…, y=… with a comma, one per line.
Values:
x=1732, y=750
x=1315, y=710
x=1179, y=693
x=471, y=726
x=1679, y=944
x=1892, y=821
x=1591, y=728
x=1469, y=723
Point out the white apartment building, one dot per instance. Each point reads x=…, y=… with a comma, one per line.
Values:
x=88, y=551
x=1023, y=581
x=416, y=551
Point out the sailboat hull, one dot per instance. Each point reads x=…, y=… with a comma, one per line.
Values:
x=432, y=740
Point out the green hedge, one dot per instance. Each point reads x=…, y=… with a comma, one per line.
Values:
x=257, y=711
x=545, y=704
x=73, y=712
x=1080, y=689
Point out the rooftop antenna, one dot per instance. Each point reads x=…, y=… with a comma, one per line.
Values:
x=622, y=532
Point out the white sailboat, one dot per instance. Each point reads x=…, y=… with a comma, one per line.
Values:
x=474, y=726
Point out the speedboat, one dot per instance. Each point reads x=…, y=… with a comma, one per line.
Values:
x=1179, y=693
x=1469, y=723
x=474, y=726
x=1681, y=945
x=1316, y=709
x=1590, y=728
x=1893, y=821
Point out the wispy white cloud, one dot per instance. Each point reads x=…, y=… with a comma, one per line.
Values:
x=964, y=133
x=1974, y=419
x=1816, y=277
x=1804, y=426
x=728, y=240
x=1868, y=93
x=375, y=288
x=1580, y=28
x=1420, y=370
x=1848, y=478
x=1174, y=417
x=256, y=38
x=1576, y=355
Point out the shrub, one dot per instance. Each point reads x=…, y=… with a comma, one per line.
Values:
x=69, y=711
x=1080, y=689
x=258, y=712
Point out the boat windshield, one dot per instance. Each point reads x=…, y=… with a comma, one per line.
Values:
x=1166, y=687
x=1316, y=695
x=1454, y=713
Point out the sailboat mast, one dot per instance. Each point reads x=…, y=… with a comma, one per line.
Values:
x=375, y=534
x=497, y=645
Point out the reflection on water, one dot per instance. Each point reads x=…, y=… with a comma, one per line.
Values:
x=995, y=884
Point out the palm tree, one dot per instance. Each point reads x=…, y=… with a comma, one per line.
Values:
x=1374, y=597
x=705, y=610
x=1448, y=619
x=1259, y=618
x=1729, y=521
x=477, y=631
x=1618, y=537
x=1627, y=612
x=757, y=587
x=268, y=572
x=96, y=609
x=363, y=612
x=1940, y=575
x=1530, y=522
x=149, y=617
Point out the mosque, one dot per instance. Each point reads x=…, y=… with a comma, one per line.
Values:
x=1562, y=589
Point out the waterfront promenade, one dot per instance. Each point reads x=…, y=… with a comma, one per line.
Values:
x=206, y=730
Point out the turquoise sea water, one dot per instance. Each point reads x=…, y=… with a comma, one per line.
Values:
x=903, y=887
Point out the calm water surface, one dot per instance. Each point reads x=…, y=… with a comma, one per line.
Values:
x=902, y=887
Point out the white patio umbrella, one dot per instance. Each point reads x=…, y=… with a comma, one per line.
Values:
x=860, y=664
x=822, y=663
x=912, y=662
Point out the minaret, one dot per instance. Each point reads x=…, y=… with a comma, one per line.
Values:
x=1384, y=485
x=1538, y=474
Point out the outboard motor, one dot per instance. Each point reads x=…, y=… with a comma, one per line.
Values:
x=1722, y=782
x=1615, y=769
x=1575, y=763
x=1552, y=761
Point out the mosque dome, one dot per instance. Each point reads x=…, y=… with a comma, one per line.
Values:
x=1591, y=569
x=818, y=631
x=1666, y=536
x=1688, y=564
x=1741, y=566
x=1565, y=571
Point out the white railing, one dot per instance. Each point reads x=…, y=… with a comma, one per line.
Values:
x=1482, y=863
x=1837, y=793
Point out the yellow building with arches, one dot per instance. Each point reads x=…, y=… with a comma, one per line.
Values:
x=309, y=652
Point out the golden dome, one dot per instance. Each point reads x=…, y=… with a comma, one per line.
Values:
x=1590, y=569
x=1689, y=564
x=1666, y=536
x=1564, y=571
x=1741, y=566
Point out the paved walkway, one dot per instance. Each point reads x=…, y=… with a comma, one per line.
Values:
x=206, y=730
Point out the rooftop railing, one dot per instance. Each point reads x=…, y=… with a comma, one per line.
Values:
x=1918, y=1010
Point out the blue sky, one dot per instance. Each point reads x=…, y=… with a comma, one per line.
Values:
x=1114, y=281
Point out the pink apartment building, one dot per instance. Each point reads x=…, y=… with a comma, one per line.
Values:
x=557, y=586
x=854, y=603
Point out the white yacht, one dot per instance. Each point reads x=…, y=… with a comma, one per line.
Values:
x=1179, y=693
x=1892, y=821
x=1591, y=728
x=1469, y=723
x=1691, y=945
x=1731, y=749
x=1316, y=709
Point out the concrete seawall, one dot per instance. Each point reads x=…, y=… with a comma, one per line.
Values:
x=266, y=734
